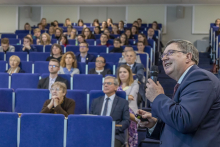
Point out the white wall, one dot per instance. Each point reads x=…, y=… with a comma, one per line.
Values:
x=8, y=17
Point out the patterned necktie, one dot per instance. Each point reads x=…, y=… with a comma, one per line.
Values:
x=175, y=89
x=106, y=107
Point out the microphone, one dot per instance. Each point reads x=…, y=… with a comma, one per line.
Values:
x=154, y=73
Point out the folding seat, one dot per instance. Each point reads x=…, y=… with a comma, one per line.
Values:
x=4, y=80
x=151, y=42
x=96, y=131
x=18, y=48
x=90, y=41
x=21, y=36
x=32, y=31
x=2, y=66
x=40, y=48
x=24, y=65
x=110, y=41
x=129, y=25
x=30, y=100
x=36, y=56
x=8, y=36
x=21, y=55
x=17, y=32
x=72, y=41
x=113, y=57
x=82, y=67
x=87, y=82
x=24, y=80
x=13, y=41
x=97, y=49
x=132, y=41
x=87, y=24
x=143, y=25
x=80, y=98
x=6, y=99
x=97, y=36
x=108, y=65
x=115, y=36
x=2, y=56
x=8, y=127
x=41, y=130
x=41, y=67
x=72, y=48
x=110, y=48
x=60, y=24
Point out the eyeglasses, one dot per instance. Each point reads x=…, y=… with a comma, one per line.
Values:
x=55, y=89
x=99, y=61
x=53, y=66
x=169, y=53
x=108, y=83
x=82, y=46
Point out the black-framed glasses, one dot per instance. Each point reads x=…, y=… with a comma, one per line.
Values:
x=169, y=53
x=108, y=83
x=53, y=66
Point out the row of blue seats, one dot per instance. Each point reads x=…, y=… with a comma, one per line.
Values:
x=47, y=130
x=26, y=100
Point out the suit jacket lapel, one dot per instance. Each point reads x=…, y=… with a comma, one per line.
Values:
x=47, y=82
x=114, y=104
x=100, y=105
x=133, y=67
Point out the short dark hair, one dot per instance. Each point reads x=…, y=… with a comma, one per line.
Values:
x=117, y=39
x=5, y=41
x=55, y=60
x=27, y=38
x=103, y=58
x=85, y=43
x=140, y=42
x=104, y=34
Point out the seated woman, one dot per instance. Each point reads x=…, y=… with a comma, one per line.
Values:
x=115, y=30
x=131, y=87
x=45, y=39
x=134, y=30
x=59, y=103
x=56, y=52
x=128, y=33
x=80, y=23
x=67, y=22
x=155, y=25
x=104, y=26
x=51, y=30
x=123, y=39
x=73, y=34
x=14, y=62
x=68, y=64
x=121, y=25
x=87, y=33
x=100, y=67
x=64, y=40
x=142, y=38
x=58, y=33
x=27, y=26
x=80, y=39
x=140, y=46
x=69, y=30
x=97, y=30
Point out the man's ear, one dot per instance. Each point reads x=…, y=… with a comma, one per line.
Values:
x=188, y=57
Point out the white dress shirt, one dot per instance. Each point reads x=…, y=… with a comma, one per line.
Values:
x=51, y=82
x=179, y=82
x=131, y=66
x=110, y=102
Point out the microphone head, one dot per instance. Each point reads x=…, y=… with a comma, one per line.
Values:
x=154, y=70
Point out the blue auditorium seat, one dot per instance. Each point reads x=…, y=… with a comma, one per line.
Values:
x=40, y=48
x=21, y=55
x=110, y=41
x=4, y=78
x=54, y=41
x=2, y=66
x=108, y=65
x=115, y=36
x=72, y=41
x=24, y=65
x=72, y=48
x=87, y=24
x=36, y=56
x=48, y=48
x=41, y=67
x=90, y=41
x=113, y=57
x=24, y=80
x=1, y=55
x=80, y=98
x=132, y=41
x=13, y=41
x=8, y=127
x=6, y=99
x=41, y=130
x=17, y=47
x=87, y=82
x=82, y=67
x=151, y=42
x=97, y=49
x=8, y=36
x=21, y=36
x=30, y=100
x=97, y=36
x=85, y=131
x=22, y=32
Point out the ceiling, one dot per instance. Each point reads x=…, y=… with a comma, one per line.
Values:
x=104, y=2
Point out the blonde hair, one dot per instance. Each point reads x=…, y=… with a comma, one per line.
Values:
x=37, y=30
x=73, y=36
x=60, y=85
x=48, y=39
x=65, y=25
x=63, y=63
x=130, y=79
x=16, y=58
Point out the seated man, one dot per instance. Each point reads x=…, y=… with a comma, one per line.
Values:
x=5, y=47
x=84, y=56
x=59, y=103
x=27, y=47
x=117, y=46
x=54, y=67
x=100, y=67
x=37, y=35
x=104, y=40
x=150, y=35
x=128, y=48
x=114, y=106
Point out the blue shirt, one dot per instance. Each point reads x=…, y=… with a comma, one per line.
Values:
x=66, y=71
x=83, y=59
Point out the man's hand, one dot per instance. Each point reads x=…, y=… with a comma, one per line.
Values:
x=153, y=90
x=27, y=47
x=23, y=48
x=50, y=105
x=151, y=120
x=130, y=97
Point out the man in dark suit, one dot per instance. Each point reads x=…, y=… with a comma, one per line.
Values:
x=54, y=67
x=191, y=117
x=114, y=106
x=84, y=56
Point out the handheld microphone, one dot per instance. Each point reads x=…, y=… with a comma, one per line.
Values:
x=154, y=73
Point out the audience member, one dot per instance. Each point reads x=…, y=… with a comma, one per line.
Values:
x=104, y=25
x=150, y=35
x=217, y=22
x=30, y=36
x=121, y=25
x=128, y=33
x=142, y=37
x=27, y=47
x=51, y=30
x=37, y=33
x=107, y=32
x=68, y=64
x=139, y=20
x=5, y=47
x=155, y=25
x=53, y=67
x=97, y=30
x=80, y=39
x=95, y=22
x=134, y=30
x=67, y=23
x=104, y=40
x=115, y=30
x=27, y=26
x=14, y=62
x=136, y=24
x=69, y=30
x=84, y=56
x=40, y=26
x=44, y=22
x=117, y=46
x=58, y=33
x=59, y=103
x=123, y=39
x=87, y=33
x=109, y=22
x=114, y=106
x=64, y=40
x=100, y=67
x=55, y=22
x=140, y=46
x=126, y=49
x=131, y=87
x=80, y=23
x=56, y=52
x=73, y=34
x=45, y=39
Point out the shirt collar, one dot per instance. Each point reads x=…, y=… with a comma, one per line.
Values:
x=183, y=75
x=53, y=78
x=111, y=97
x=83, y=57
x=130, y=65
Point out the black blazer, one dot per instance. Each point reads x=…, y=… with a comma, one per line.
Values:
x=89, y=58
x=119, y=113
x=105, y=72
x=117, y=50
x=20, y=71
x=44, y=83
